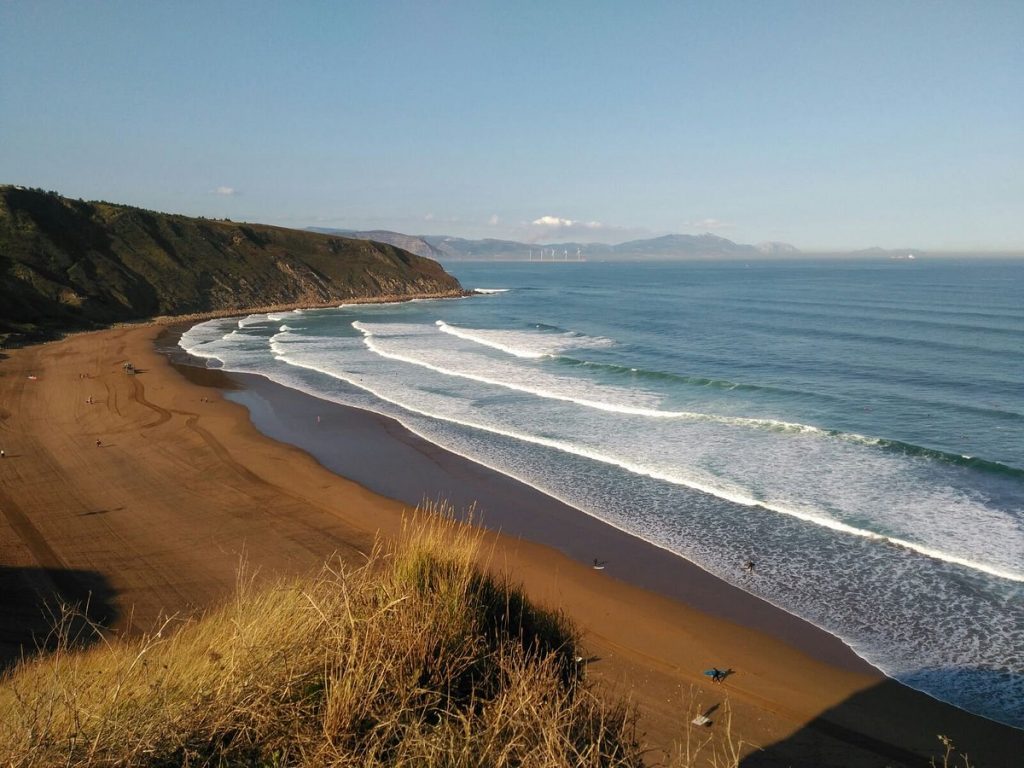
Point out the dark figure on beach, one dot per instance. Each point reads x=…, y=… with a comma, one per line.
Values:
x=717, y=675
x=749, y=566
x=98, y=443
x=3, y=455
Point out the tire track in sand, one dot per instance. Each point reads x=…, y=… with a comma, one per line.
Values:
x=138, y=394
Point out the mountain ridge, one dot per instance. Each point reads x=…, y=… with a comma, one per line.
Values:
x=664, y=247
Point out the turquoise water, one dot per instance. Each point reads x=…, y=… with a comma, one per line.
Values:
x=857, y=429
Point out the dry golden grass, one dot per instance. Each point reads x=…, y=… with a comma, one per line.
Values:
x=416, y=658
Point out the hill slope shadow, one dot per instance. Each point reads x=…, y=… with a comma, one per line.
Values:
x=30, y=607
x=893, y=725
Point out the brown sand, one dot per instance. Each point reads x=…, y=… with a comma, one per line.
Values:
x=156, y=518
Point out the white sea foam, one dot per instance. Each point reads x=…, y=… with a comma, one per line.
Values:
x=245, y=322
x=719, y=488
x=368, y=336
x=201, y=334
x=490, y=290
x=526, y=344
x=904, y=502
x=508, y=381
x=930, y=550
x=490, y=341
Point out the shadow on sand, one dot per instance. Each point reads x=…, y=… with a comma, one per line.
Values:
x=30, y=607
x=892, y=725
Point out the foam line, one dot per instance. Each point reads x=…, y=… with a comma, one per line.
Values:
x=734, y=496
x=475, y=338
x=251, y=320
x=774, y=425
x=596, y=404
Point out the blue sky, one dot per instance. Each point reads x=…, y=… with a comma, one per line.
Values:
x=827, y=125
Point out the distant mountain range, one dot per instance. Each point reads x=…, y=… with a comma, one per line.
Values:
x=665, y=248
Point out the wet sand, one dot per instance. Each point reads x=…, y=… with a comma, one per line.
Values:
x=156, y=518
x=367, y=447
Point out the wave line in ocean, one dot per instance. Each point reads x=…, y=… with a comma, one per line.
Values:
x=734, y=495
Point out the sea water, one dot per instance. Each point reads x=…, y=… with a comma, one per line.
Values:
x=855, y=429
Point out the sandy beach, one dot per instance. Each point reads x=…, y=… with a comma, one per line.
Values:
x=146, y=500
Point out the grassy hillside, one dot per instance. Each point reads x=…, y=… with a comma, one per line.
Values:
x=67, y=264
x=415, y=659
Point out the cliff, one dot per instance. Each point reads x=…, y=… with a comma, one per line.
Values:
x=67, y=264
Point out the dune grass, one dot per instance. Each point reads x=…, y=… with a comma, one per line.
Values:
x=415, y=658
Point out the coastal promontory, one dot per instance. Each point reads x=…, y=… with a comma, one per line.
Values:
x=70, y=264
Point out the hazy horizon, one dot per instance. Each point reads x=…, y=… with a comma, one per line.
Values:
x=832, y=128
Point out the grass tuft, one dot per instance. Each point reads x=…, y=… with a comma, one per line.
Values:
x=416, y=658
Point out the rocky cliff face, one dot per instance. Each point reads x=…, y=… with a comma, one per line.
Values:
x=67, y=264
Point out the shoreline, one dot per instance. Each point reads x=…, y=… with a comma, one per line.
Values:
x=514, y=507
x=648, y=565
x=154, y=521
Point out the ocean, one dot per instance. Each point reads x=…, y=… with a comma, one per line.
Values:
x=856, y=429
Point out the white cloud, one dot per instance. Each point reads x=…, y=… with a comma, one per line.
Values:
x=548, y=228
x=552, y=221
x=493, y=221
x=557, y=222
x=224, y=191
x=709, y=224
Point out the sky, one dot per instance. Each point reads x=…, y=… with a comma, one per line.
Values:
x=826, y=125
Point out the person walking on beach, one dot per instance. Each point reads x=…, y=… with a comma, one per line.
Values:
x=98, y=443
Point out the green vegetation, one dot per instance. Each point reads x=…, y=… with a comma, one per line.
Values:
x=67, y=264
